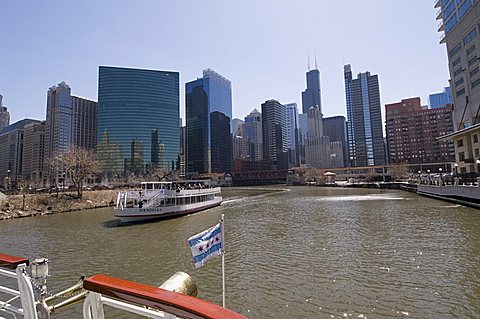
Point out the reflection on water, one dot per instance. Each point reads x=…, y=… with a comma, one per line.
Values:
x=304, y=253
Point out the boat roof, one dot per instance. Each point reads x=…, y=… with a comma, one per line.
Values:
x=179, y=182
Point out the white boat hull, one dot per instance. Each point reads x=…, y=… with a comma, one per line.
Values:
x=130, y=215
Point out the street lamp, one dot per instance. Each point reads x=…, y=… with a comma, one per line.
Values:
x=428, y=172
x=63, y=181
x=456, y=169
x=441, y=180
x=478, y=166
x=419, y=177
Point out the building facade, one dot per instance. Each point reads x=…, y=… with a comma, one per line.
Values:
x=442, y=99
x=70, y=120
x=59, y=118
x=317, y=146
x=275, y=133
x=253, y=135
x=413, y=132
x=33, y=163
x=208, y=104
x=460, y=26
x=4, y=115
x=84, y=126
x=11, y=152
x=335, y=127
x=364, y=126
x=293, y=141
x=312, y=95
x=138, y=120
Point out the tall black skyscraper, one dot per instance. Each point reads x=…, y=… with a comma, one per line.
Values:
x=312, y=95
x=364, y=128
x=274, y=128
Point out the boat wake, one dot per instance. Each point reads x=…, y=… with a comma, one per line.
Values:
x=373, y=197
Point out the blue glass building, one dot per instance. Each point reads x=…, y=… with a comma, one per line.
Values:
x=208, y=102
x=138, y=120
x=442, y=99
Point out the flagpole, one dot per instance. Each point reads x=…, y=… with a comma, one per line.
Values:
x=223, y=262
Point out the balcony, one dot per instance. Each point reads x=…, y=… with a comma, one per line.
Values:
x=442, y=39
x=437, y=4
x=441, y=27
x=439, y=14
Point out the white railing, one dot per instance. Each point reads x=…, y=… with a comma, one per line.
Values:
x=100, y=291
x=22, y=292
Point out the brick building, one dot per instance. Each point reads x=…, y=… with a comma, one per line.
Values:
x=413, y=132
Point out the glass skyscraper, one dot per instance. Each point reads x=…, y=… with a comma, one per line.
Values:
x=208, y=102
x=442, y=99
x=312, y=95
x=138, y=120
x=364, y=128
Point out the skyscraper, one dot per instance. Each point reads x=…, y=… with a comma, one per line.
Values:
x=208, y=104
x=254, y=135
x=317, y=146
x=442, y=99
x=58, y=125
x=137, y=107
x=293, y=143
x=275, y=133
x=335, y=128
x=84, y=126
x=460, y=24
x=364, y=127
x=4, y=115
x=312, y=95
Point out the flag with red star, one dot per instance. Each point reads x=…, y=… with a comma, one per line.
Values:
x=206, y=245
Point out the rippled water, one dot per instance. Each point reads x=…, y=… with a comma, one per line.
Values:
x=304, y=252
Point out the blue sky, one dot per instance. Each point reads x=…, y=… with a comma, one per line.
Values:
x=260, y=45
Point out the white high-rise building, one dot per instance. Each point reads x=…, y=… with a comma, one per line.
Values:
x=293, y=143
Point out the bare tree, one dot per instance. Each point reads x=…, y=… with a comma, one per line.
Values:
x=162, y=174
x=24, y=186
x=78, y=163
x=399, y=171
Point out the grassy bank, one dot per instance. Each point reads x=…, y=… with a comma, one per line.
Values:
x=44, y=204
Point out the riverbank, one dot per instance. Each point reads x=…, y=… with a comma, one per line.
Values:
x=45, y=204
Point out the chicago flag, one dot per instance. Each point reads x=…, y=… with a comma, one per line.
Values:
x=206, y=245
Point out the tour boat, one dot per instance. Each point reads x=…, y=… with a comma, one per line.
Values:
x=156, y=200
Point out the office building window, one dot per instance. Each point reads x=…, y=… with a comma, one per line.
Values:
x=471, y=49
x=470, y=36
x=455, y=50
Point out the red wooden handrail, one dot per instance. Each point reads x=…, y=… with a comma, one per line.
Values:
x=171, y=302
x=7, y=261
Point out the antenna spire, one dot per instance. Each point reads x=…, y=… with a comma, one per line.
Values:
x=316, y=64
x=308, y=63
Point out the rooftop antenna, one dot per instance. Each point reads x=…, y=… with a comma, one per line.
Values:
x=308, y=64
x=316, y=64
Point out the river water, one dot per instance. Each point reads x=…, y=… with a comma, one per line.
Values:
x=300, y=252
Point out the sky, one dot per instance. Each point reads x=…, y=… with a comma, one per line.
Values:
x=260, y=45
